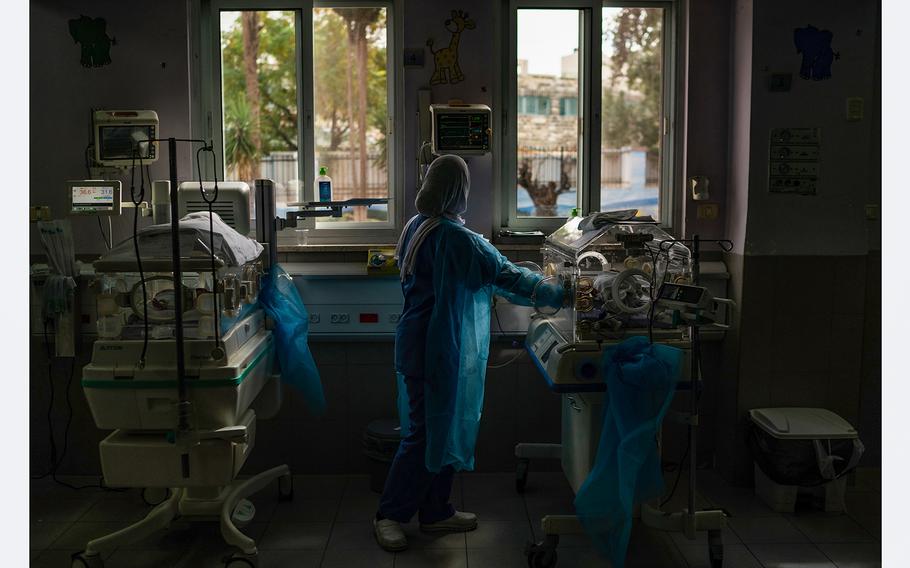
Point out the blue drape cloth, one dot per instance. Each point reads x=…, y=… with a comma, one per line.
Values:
x=444, y=333
x=281, y=301
x=641, y=380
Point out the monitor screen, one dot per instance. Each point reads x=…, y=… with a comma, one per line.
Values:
x=118, y=142
x=462, y=131
x=93, y=198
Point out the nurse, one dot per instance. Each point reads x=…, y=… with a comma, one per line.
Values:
x=448, y=276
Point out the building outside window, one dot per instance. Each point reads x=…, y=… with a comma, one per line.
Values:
x=629, y=161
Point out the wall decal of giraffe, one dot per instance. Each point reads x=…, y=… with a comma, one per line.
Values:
x=446, y=58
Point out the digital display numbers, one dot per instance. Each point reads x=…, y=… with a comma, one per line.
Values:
x=89, y=196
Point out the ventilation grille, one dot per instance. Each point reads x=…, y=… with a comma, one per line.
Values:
x=225, y=210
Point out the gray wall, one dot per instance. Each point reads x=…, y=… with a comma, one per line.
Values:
x=805, y=275
x=149, y=70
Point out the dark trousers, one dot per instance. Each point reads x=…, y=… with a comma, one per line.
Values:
x=410, y=487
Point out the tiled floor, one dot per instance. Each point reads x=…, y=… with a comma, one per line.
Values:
x=328, y=525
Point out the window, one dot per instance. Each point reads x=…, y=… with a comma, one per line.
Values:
x=615, y=158
x=568, y=106
x=300, y=85
x=532, y=104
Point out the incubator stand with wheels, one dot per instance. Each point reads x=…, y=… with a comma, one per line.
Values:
x=131, y=388
x=612, y=271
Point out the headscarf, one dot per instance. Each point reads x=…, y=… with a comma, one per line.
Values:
x=444, y=194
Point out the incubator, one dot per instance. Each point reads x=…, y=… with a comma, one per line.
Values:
x=612, y=266
x=131, y=383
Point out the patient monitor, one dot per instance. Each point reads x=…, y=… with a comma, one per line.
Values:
x=122, y=137
x=461, y=129
x=94, y=197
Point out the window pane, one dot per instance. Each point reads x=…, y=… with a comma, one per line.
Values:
x=351, y=105
x=547, y=160
x=259, y=100
x=632, y=75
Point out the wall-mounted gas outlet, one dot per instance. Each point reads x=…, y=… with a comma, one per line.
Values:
x=314, y=318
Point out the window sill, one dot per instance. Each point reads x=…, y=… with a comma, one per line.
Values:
x=332, y=248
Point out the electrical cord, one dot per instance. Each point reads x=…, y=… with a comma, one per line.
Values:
x=136, y=202
x=107, y=241
x=50, y=406
x=210, y=203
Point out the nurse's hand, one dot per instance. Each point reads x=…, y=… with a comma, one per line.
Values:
x=550, y=294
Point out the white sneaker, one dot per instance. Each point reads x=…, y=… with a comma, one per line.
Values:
x=459, y=522
x=389, y=535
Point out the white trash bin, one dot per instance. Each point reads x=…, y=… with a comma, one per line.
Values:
x=802, y=450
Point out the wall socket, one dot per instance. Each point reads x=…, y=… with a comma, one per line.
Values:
x=707, y=211
x=39, y=213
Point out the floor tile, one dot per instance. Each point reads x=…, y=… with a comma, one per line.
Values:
x=152, y=558
x=79, y=534
x=790, y=556
x=306, y=511
x=510, y=508
x=437, y=558
x=290, y=559
x=728, y=536
x=373, y=557
x=357, y=508
x=58, y=558
x=125, y=510
x=358, y=487
x=295, y=536
x=735, y=556
x=873, y=525
x=43, y=533
x=352, y=536
x=547, y=484
x=766, y=529
x=589, y=558
x=831, y=528
x=497, y=558
x=319, y=486
x=853, y=555
x=58, y=510
x=418, y=539
x=500, y=534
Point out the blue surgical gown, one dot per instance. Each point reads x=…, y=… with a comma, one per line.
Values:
x=444, y=332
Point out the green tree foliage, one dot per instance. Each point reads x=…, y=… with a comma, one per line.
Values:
x=632, y=99
x=336, y=121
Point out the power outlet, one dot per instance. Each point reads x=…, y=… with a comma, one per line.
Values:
x=340, y=318
x=708, y=211
x=39, y=213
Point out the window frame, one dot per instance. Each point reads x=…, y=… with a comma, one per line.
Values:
x=588, y=109
x=207, y=102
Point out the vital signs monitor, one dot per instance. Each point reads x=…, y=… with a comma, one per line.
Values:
x=94, y=197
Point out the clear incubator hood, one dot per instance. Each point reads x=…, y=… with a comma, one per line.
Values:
x=613, y=266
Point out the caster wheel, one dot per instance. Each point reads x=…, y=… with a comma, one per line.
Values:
x=715, y=549
x=83, y=560
x=155, y=495
x=243, y=513
x=241, y=561
x=521, y=475
x=542, y=554
x=286, y=488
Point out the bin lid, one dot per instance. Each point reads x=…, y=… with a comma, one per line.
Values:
x=383, y=430
x=802, y=423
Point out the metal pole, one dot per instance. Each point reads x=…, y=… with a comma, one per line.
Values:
x=183, y=406
x=693, y=383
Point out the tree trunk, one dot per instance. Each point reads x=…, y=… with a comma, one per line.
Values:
x=360, y=213
x=250, y=24
x=350, y=88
